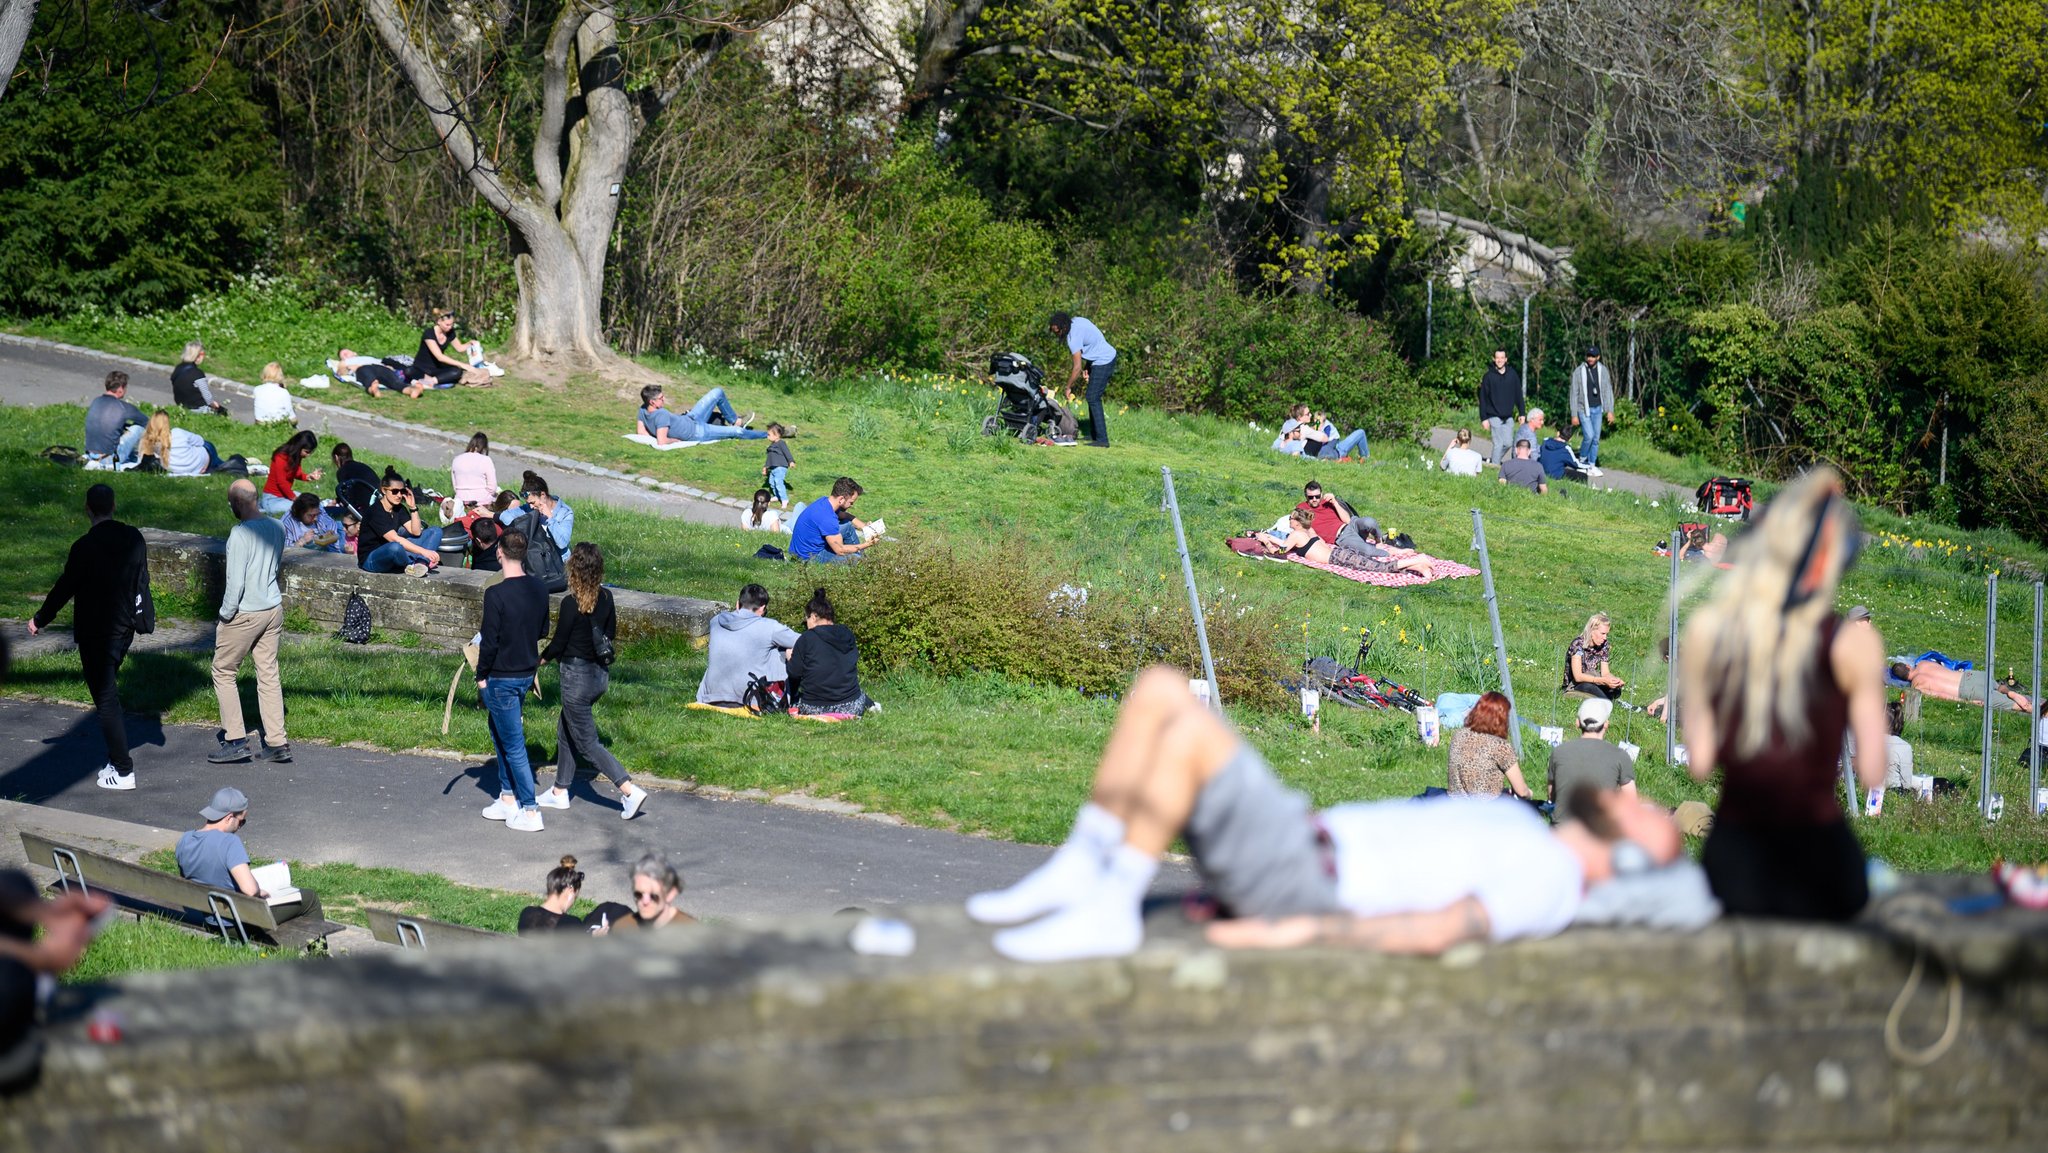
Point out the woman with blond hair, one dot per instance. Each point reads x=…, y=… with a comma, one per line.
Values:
x=1773, y=682
x=1586, y=661
x=270, y=402
x=181, y=452
x=585, y=634
x=189, y=387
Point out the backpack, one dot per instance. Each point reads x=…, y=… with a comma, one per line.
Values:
x=63, y=454
x=1724, y=496
x=355, y=620
x=764, y=695
x=543, y=559
x=769, y=552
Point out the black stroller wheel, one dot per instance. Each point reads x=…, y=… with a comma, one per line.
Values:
x=989, y=425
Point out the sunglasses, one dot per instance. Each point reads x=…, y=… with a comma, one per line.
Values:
x=640, y=896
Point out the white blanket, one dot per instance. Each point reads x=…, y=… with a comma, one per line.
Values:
x=649, y=441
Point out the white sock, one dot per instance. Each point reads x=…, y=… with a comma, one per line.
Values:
x=1067, y=875
x=1108, y=922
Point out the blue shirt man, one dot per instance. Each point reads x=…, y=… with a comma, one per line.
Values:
x=818, y=534
x=113, y=427
x=664, y=425
x=1093, y=354
x=213, y=854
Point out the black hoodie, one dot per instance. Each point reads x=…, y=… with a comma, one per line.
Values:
x=824, y=667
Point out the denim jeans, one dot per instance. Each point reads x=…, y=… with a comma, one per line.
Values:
x=393, y=557
x=715, y=402
x=1098, y=383
x=1350, y=445
x=778, y=482
x=503, y=697
x=583, y=682
x=274, y=505
x=129, y=447
x=1589, y=433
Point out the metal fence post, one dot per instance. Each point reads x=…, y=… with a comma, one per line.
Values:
x=2034, y=720
x=1500, y=643
x=1187, y=572
x=1428, y=316
x=1677, y=543
x=1526, y=372
x=1990, y=690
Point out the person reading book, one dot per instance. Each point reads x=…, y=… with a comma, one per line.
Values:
x=213, y=854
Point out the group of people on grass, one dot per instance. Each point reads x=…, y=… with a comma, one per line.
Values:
x=1326, y=530
x=440, y=361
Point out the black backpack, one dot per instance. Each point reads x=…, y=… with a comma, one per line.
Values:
x=355, y=620
x=543, y=558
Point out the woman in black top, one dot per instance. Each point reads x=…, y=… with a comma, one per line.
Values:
x=552, y=914
x=587, y=613
x=188, y=383
x=824, y=666
x=435, y=363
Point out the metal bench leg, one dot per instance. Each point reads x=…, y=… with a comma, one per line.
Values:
x=419, y=937
x=64, y=880
x=218, y=901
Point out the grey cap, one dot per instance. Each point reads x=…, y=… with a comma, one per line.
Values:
x=1857, y=613
x=225, y=801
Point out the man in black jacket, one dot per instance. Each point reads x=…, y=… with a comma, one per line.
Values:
x=107, y=574
x=1500, y=403
x=508, y=656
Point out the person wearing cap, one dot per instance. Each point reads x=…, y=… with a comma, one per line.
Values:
x=1590, y=760
x=1592, y=403
x=213, y=854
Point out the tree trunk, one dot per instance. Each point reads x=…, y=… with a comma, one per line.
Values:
x=941, y=48
x=1311, y=231
x=17, y=17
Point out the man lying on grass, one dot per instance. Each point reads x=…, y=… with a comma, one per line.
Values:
x=1392, y=876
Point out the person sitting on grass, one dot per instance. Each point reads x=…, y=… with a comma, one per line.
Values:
x=824, y=665
x=180, y=451
x=1971, y=686
x=1319, y=438
x=308, y=526
x=818, y=534
x=473, y=475
x=552, y=915
x=711, y=418
x=392, y=538
x=213, y=854
x=190, y=389
x=1371, y=557
x=1329, y=510
x=287, y=468
x=1559, y=461
x=1522, y=472
x=349, y=470
x=113, y=427
x=271, y=402
x=1586, y=662
x=1481, y=758
x=763, y=516
x=745, y=642
x=439, y=362
x=1460, y=458
x=1590, y=760
x=1399, y=876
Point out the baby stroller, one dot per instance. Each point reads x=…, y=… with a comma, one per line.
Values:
x=1028, y=407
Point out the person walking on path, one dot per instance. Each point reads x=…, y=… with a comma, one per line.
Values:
x=587, y=618
x=251, y=625
x=1592, y=404
x=1094, y=354
x=107, y=574
x=515, y=620
x=1500, y=403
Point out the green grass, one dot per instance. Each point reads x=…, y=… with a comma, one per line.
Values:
x=153, y=944
x=1013, y=759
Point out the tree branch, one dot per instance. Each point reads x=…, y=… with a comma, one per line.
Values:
x=554, y=102
x=454, y=132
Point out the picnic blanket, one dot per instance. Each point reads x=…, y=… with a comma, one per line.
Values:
x=649, y=441
x=730, y=711
x=1444, y=570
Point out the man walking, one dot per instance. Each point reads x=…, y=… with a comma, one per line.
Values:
x=1500, y=403
x=508, y=657
x=1092, y=352
x=251, y=624
x=1592, y=403
x=107, y=574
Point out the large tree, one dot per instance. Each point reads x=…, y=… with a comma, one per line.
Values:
x=583, y=95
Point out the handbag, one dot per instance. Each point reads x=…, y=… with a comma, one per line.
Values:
x=601, y=646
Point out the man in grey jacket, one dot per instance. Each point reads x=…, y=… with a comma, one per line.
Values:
x=251, y=624
x=745, y=642
x=1592, y=405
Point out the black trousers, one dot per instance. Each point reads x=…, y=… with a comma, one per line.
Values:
x=101, y=659
x=1098, y=383
x=1804, y=872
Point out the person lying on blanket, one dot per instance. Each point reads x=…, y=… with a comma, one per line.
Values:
x=368, y=373
x=1357, y=548
x=1967, y=685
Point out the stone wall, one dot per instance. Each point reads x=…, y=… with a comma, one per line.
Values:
x=444, y=609
x=1748, y=1036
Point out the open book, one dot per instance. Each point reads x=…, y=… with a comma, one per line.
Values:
x=276, y=879
x=876, y=528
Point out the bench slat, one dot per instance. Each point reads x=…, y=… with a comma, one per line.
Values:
x=384, y=927
x=140, y=883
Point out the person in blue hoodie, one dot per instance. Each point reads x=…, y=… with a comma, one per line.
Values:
x=745, y=642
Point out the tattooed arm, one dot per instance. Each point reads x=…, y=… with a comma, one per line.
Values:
x=1422, y=933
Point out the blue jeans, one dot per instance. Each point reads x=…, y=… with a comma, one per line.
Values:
x=1350, y=445
x=715, y=402
x=1098, y=383
x=503, y=697
x=131, y=443
x=273, y=505
x=393, y=557
x=778, y=483
x=1589, y=432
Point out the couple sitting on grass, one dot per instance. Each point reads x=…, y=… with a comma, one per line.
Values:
x=820, y=666
x=1322, y=528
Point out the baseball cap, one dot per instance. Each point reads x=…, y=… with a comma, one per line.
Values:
x=225, y=801
x=1695, y=819
x=1595, y=710
x=1592, y=350
x=1858, y=613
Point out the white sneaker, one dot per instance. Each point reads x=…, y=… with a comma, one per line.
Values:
x=550, y=799
x=1594, y=470
x=631, y=807
x=416, y=569
x=500, y=810
x=113, y=778
x=525, y=821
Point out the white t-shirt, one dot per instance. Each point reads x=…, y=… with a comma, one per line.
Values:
x=1289, y=445
x=771, y=520
x=1083, y=337
x=1462, y=461
x=271, y=402
x=187, y=454
x=1420, y=856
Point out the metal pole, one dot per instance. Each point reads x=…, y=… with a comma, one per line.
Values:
x=1943, y=478
x=1500, y=642
x=1671, y=666
x=1849, y=783
x=1990, y=691
x=2034, y=720
x=1429, y=316
x=1526, y=372
x=1187, y=572
x=1631, y=358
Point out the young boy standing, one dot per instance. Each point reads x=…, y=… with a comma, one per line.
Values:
x=777, y=468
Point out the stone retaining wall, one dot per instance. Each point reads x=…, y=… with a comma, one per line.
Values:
x=444, y=609
x=1747, y=1036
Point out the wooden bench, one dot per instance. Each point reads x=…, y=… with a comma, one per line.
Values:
x=414, y=932
x=140, y=887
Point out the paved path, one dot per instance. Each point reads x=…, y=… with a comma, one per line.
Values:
x=1613, y=478
x=740, y=859
x=35, y=373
